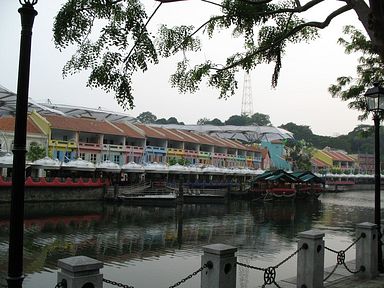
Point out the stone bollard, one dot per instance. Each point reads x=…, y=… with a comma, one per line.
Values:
x=310, y=260
x=366, y=250
x=80, y=272
x=223, y=272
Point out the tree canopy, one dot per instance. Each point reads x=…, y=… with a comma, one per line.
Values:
x=123, y=45
x=35, y=152
x=370, y=69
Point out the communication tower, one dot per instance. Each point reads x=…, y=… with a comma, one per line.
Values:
x=247, y=103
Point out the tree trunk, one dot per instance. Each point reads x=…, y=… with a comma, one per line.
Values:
x=372, y=18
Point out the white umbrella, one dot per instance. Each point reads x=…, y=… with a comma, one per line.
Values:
x=6, y=161
x=47, y=163
x=156, y=168
x=177, y=168
x=132, y=167
x=108, y=166
x=79, y=165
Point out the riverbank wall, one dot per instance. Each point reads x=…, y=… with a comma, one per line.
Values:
x=45, y=194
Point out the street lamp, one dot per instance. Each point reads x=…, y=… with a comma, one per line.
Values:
x=375, y=103
x=16, y=222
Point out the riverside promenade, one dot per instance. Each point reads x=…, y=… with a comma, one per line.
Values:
x=341, y=278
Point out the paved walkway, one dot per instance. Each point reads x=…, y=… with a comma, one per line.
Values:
x=341, y=278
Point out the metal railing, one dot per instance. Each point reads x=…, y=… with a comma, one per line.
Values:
x=340, y=258
x=270, y=272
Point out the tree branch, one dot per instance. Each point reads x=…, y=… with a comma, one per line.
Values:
x=298, y=8
x=138, y=38
x=320, y=25
x=198, y=29
x=258, y=2
x=213, y=3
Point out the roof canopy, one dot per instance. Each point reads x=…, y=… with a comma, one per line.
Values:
x=8, y=107
x=249, y=134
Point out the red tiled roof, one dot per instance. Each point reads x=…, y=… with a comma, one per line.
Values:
x=8, y=124
x=318, y=163
x=151, y=132
x=171, y=134
x=82, y=125
x=190, y=137
x=339, y=156
x=129, y=131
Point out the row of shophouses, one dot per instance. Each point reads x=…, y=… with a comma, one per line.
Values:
x=67, y=138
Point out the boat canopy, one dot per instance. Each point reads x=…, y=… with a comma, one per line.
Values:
x=277, y=176
x=307, y=177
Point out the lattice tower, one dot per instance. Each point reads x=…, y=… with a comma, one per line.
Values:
x=247, y=103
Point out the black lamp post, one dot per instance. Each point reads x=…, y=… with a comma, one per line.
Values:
x=16, y=226
x=375, y=103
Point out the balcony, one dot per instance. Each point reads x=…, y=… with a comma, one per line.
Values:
x=113, y=147
x=203, y=154
x=231, y=156
x=89, y=146
x=219, y=155
x=240, y=157
x=155, y=150
x=62, y=144
x=191, y=153
x=134, y=150
x=257, y=159
x=175, y=152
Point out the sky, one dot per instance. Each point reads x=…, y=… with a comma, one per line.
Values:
x=301, y=96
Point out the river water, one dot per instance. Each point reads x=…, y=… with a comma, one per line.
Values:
x=157, y=246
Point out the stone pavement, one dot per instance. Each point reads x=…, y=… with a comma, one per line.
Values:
x=341, y=278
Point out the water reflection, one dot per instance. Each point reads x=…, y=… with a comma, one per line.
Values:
x=142, y=241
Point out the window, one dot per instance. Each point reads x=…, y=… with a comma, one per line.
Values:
x=105, y=157
x=93, y=158
x=65, y=138
x=67, y=156
x=82, y=156
x=116, y=159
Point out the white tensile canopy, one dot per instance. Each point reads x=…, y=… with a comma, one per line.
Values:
x=108, y=166
x=79, y=165
x=47, y=163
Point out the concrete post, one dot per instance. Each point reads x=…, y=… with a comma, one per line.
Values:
x=80, y=272
x=310, y=260
x=223, y=272
x=366, y=250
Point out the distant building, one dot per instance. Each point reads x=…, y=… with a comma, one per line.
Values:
x=365, y=163
x=319, y=166
x=335, y=159
x=67, y=137
x=277, y=153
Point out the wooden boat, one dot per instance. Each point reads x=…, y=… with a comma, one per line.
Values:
x=311, y=186
x=280, y=185
x=280, y=193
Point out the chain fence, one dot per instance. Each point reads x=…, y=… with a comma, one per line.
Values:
x=114, y=283
x=270, y=272
x=340, y=258
x=208, y=265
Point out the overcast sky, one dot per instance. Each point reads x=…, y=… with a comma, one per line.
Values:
x=301, y=96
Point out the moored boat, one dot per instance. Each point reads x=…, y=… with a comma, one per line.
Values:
x=274, y=185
